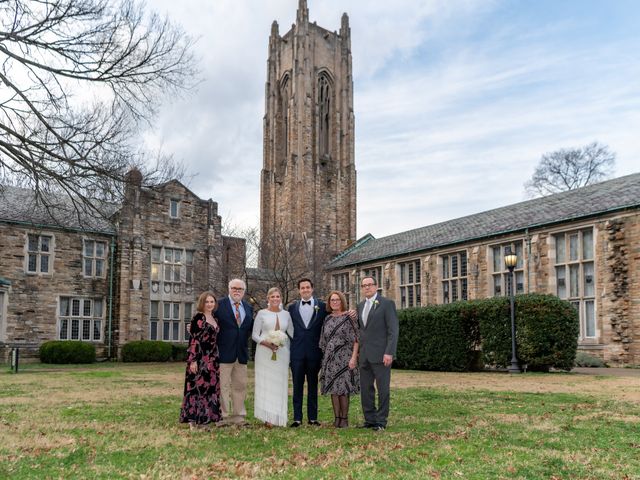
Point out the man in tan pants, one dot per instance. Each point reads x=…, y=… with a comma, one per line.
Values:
x=235, y=317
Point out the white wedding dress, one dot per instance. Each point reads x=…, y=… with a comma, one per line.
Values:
x=272, y=376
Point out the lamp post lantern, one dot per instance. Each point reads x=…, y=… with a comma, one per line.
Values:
x=510, y=261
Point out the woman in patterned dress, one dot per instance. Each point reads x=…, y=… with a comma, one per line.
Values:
x=339, y=374
x=201, y=402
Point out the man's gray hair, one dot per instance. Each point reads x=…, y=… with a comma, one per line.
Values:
x=244, y=285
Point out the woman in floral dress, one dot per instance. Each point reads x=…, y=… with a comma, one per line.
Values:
x=339, y=374
x=201, y=403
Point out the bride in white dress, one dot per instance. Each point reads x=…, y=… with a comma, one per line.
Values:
x=272, y=375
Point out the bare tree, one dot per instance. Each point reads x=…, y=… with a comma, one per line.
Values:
x=567, y=169
x=286, y=258
x=284, y=261
x=77, y=79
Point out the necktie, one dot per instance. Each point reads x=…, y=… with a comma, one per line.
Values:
x=306, y=302
x=238, y=317
x=365, y=313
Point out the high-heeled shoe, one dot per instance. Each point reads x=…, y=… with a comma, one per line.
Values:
x=336, y=421
x=344, y=422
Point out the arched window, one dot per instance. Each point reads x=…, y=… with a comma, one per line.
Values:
x=285, y=95
x=282, y=128
x=324, y=117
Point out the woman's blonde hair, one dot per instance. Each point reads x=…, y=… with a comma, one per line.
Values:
x=273, y=290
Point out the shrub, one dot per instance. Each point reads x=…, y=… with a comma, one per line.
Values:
x=179, y=352
x=448, y=337
x=436, y=338
x=583, y=359
x=67, y=351
x=146, y=351
x=546, y=331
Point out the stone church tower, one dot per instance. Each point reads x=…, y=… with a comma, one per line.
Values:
x=308, y=184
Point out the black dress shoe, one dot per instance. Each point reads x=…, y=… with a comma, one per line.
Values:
x=367, y=425
x=378, y=428
x=315, y=423
x=295, y=424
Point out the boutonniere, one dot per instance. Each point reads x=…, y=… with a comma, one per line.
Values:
x=375, y=303
x=316, y=308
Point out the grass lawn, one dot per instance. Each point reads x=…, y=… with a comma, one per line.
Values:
x=120, y=421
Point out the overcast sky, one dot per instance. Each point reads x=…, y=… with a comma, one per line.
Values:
x=455, y=100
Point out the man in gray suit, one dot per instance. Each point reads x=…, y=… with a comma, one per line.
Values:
x=378, y=341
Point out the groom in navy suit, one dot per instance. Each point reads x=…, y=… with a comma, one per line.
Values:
x=307, y=315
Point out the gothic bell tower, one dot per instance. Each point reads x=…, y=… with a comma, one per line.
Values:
x=308, y=183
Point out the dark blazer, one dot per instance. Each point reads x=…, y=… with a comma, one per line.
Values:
x=380, y=336
x=305, y=341
x=233, y=340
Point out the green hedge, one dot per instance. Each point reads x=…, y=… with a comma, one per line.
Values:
x=67, y=351
x=146, y=351
x=436, y=338
x=179, y=352
x=449, y=337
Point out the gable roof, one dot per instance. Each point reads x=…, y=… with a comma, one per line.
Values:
x=613, y=195
x=22, y=206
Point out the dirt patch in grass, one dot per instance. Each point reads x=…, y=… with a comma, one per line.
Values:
x=620, y=388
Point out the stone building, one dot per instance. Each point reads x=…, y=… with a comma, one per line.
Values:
x=134, y=277
x=582, y=245
x=308, y=182
x=55, y=271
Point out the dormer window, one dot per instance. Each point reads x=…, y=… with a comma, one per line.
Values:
x=174, y=208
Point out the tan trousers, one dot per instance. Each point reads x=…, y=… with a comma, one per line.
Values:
x=233, y=389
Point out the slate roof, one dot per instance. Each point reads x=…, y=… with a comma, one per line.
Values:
x=20, y=205
x=609, y=196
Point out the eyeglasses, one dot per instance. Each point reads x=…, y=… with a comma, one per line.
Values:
x=237, y=289
x=366, y=285
x=335, y=300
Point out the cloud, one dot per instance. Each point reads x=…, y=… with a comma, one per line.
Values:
x=455, y=101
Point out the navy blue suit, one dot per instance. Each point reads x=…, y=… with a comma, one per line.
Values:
x=306, y=358
x=233, y=341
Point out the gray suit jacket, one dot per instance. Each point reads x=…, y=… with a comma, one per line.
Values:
x=380, y=336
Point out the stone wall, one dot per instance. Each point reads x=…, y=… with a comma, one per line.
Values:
x=32, y=302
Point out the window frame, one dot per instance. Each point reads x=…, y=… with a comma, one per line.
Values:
x=163, y=269
x=519, y=272
x=448, y=280
x=176, y=202
x=81, y=318
x=583, y=268
x=409, y=291
x=39, y=253
x=179, y=321
x=94, y=258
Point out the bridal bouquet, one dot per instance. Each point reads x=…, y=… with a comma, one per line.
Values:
x=277, y=337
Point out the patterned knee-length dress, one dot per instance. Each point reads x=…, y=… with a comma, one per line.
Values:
x=336, y=341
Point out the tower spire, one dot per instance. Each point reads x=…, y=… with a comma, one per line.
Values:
x=303, y=12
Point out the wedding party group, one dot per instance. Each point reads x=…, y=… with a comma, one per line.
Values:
x=347, y=352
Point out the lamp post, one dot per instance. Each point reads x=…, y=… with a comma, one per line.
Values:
x=510, y=261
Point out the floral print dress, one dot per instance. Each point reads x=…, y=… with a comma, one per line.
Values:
x=201, y=403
